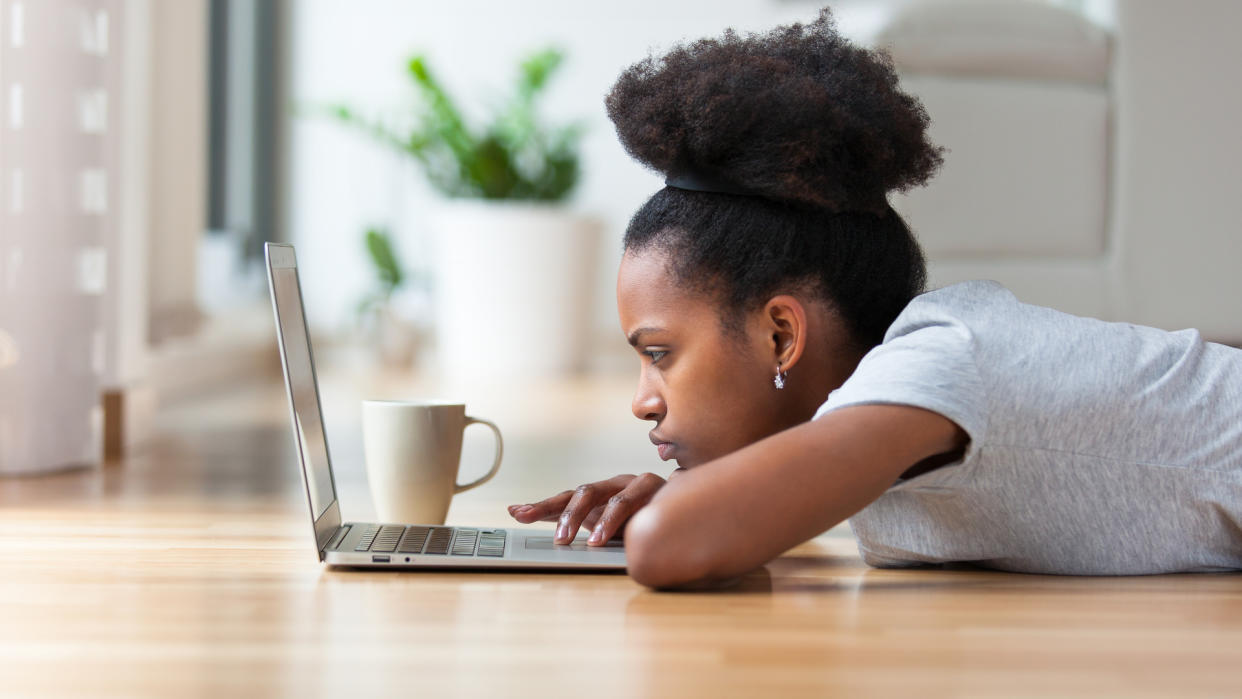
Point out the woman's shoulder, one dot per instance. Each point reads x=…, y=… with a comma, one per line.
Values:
x=965, y=298
x=974, y=291
x=965, y=307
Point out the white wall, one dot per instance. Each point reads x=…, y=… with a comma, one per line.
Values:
x=1179, y=164
x=1177, y=182
x=178, y=162
x=355, y=52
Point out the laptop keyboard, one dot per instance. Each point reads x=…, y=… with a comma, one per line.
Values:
x=450, y=541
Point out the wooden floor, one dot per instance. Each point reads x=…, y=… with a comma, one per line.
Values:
x=187, y=570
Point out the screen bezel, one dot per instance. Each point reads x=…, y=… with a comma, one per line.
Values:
x=281, y=256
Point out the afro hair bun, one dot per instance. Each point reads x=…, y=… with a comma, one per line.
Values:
x=797, y=114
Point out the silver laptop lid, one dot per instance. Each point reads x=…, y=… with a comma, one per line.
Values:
x=303, y=389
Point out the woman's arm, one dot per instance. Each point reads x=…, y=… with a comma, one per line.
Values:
x=732, y=515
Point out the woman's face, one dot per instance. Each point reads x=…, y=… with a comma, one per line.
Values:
x=708, y=391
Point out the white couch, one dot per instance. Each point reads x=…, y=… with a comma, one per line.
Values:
x=1075, y=172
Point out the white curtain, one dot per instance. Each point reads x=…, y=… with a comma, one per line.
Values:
x=59, y=159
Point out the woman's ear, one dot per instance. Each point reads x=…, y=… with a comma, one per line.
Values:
x=784, y=318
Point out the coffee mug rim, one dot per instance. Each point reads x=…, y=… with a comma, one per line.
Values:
x=420, y=403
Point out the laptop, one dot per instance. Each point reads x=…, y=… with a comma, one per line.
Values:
x=393, y=545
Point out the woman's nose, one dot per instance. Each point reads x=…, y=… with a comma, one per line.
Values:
x=647, y=403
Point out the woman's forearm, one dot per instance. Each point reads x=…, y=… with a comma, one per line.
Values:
x=732, y=515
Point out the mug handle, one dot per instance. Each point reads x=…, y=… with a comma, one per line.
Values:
x=500, y=451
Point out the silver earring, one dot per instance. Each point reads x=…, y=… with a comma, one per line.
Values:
x=779, y=379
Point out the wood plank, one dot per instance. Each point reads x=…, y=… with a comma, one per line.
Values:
x=187, y=570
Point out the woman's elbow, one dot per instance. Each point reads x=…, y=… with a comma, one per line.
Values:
x=661, y=555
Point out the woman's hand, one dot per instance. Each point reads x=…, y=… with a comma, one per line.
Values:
x=603, y=507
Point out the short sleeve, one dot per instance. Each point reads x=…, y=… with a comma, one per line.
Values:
x=926, y=361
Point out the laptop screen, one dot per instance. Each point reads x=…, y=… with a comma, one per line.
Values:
x=303, y=390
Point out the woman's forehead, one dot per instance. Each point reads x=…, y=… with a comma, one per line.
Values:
x=645, y=285
x=649, y=295
x=644, y=267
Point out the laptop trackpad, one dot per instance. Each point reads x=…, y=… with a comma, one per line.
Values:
x=544, y=543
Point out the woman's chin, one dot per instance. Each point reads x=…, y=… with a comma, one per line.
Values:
x=688, y=459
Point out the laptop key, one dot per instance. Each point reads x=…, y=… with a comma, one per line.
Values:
x=492, y=544
x=388, y=537
x=413, y=540
x=439, y=541
x=463, y=543
x=368, y=537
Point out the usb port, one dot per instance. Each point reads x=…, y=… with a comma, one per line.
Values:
x=379, y=559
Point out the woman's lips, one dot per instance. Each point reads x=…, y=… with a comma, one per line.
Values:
x=665, y=448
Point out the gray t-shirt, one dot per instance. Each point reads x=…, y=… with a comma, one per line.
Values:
x=1095, y=448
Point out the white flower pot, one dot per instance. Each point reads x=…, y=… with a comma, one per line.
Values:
x=395, y=338
x=512, y=288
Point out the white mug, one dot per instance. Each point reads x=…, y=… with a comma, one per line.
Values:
x=413, y=451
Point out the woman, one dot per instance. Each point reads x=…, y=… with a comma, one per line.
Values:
x=792, y=367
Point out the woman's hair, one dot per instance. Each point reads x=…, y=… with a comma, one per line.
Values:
x=807, y=134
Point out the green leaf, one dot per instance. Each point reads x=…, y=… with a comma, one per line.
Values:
x=443, y=118
x=537, y=68
x=386, y=266
x=514, y=157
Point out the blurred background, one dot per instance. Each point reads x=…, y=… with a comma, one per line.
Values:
x=457, y=197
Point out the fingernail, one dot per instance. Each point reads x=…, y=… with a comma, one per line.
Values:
x=562, y=532
x=598, y=534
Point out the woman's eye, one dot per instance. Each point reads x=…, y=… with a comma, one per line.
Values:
x=655, y=355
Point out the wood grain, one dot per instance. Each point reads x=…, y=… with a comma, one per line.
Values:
x=187, y=570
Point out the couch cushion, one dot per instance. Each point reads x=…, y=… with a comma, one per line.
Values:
x=1025, y=173
x=997, y=39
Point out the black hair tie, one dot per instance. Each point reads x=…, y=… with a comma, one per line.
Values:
x=702, y=182
x=876, y=205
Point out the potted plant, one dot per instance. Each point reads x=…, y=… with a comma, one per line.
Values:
x=511, y=263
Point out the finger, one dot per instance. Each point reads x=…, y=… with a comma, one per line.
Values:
x=551, y=511
x=555, y=516
x=531, y=513
x=585, y=499
x=593, y=517
x=548, y=509
x=623, y=505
